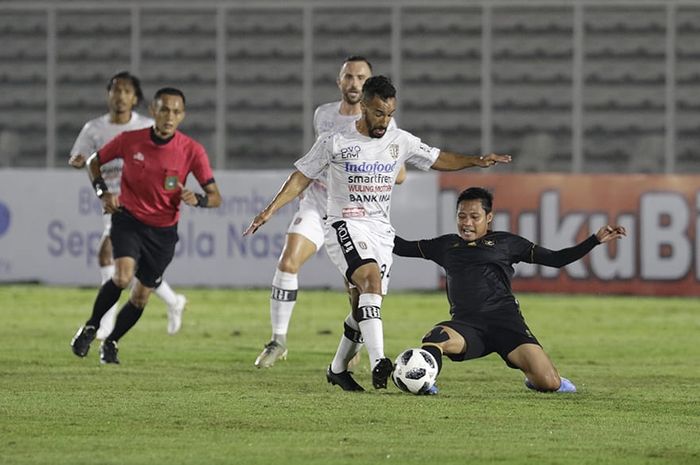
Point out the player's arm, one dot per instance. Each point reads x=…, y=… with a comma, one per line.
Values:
x=401, y=177
x=292, y=187
x=110, y=202
x=404, y=248
x=210, y=199
x=451, y=161
x=563, y=257
x=77, y=160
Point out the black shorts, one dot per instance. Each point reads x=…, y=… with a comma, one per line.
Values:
x=153, y=248
x=500, y=333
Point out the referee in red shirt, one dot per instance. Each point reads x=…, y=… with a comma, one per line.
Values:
x=157, y=161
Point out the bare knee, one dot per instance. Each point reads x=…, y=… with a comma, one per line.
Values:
x=288, y=263
x=122, y=280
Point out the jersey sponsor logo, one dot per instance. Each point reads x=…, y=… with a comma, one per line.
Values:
x=489, y=242
x=350, y=152
x=394, y=151
x=344, y=238
x=471, y=244
x=370, y=167
x=353, y=212
x=138, y=156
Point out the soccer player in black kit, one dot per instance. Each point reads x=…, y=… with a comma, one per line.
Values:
x=485, y=314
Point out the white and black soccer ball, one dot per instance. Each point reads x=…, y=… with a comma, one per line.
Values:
x=415, y=371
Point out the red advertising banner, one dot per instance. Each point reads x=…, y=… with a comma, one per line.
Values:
x=660, y=255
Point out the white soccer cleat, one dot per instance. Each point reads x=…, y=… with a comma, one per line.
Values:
x=175, y=314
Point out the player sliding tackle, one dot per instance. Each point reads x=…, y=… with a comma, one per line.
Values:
x=364, y=156
x=486, y=316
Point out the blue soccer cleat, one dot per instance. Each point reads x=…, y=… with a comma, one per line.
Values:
x=564, y=386
x=432, y=391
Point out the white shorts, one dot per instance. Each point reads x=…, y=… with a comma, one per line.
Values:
x=310, y=224
x=351, y=244
x=107, y=221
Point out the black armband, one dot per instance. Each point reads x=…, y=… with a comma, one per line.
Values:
x=100, y=186
x=202, y=200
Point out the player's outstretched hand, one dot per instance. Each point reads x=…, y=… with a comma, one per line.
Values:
x=493, y=159
x=187, y=195
x=259, y=220
x=110, y=203
x=77, y=160
x=608, y=233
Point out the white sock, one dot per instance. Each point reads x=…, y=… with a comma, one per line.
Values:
x=372, y=328
x=106, y=272
x=107, y=320
x=282, y=300
x=165, y=292
x=347, y=348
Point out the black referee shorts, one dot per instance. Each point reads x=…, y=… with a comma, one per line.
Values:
x=153, y=248
x=500, y=333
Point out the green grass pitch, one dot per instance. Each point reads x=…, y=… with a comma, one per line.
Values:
x=195, y=398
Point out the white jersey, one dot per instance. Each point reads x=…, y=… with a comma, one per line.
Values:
x=327, y=118
x=96, y=133
x=362, y=170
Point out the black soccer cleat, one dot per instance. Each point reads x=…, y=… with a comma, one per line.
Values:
x=343, y=379
x=82, y=339
x=381, y=373
x=108, y=352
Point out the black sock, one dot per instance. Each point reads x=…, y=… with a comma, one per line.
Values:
x=436, y=353
x=127, y=317
x=107, y=296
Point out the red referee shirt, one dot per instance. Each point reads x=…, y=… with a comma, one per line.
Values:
x=152, y=169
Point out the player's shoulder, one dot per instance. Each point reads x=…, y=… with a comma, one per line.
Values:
x=189, y=143
x=140, y=121
x=505, y=237
x=327, y=108
x=95, y=124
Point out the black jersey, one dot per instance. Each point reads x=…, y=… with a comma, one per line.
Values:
x=479, y=272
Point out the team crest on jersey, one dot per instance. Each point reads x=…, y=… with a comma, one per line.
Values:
x=394, y=151
x=489, y=242
x=170, y=183
x=138, y=156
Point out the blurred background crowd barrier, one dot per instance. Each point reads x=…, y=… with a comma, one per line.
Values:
x=571, y=86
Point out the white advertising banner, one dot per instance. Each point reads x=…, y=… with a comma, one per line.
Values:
x=51, y=224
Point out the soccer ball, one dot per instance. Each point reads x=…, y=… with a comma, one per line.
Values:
x=415, y=371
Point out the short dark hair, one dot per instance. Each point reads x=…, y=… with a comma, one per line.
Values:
x=135, y=82
x=477, y=193
x=169, y=91
x=379, y=86
x=353, y=58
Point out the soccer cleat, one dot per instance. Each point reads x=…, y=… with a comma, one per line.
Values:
x=271, y=353
x=82, y=339
x=381, y=372
x=175, y=314
x=343, y=379
x=108, y=352
x=432, y=391
x=564, y=386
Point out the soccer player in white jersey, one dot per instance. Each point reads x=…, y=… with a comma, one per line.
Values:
x=123, y=95
x=363, y=160
x=305, y=235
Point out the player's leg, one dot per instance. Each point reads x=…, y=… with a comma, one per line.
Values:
x=354, y=300
x=157, y=251
x=303, y=239
x=127, y=317
x=350, y=342
x=540, y=372
x=107, y=297
x=176, y=305
x=106, y=263
x=442, y=340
